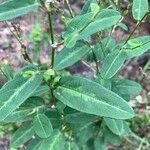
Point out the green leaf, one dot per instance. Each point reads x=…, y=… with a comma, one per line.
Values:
x=116, y=58
x=33, y=102
x=70, y=146
x=22, y=135
x=118, y=127
x=142, y=46
x=86, y=25
x=80, y=118
x=34, y=144
x=105, y=83
x=113, y=5
x=108, y=44
x=15, y=92
x=139, y=9
x=60, y=107
x=95, y=8
x=7, y=72
x=86, y=8
x=71, y=40
x=84, y=135
x=122, y=26
x=90, y=97
x=19, y=116
x=112, y=63
x=134, y=43
x=104, y=48
x=11, y=9
x=100, y=143
x=75, y=25
x=127, y=89
x=54, y=117
x=68, y=57
x=41, y=90
x=111, y=138
x=54, y=142
x=42, y=126
x=27, y=68
x=10, y=87
x=105, y=19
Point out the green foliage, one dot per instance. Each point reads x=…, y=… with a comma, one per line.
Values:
x=7, y=72
x=42, y=126
x=115, y=60
x=126, y=88
x=13, y=8
x=59, y=111
x=89, y=97
x=139, y=9
x=83, y=26
x=22, y=135
x=73, y=55
x=118, y=127
x=17, y=94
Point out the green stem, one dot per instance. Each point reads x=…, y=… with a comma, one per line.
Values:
x=51, y=32
x=100, y=43
x=69, y=8
x=94, y=56
x=96, y=62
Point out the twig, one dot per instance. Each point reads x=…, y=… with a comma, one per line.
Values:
x=87, y=65
x=23, y=47
x=141, y=144
x=69, y=8
x=138, y=24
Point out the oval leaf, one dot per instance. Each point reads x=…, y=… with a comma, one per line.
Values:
x=127, y=89
x=54, y=142
x=90, y=97
x=19, y=116
x=42, y=126
x=22, y=135
x=113, y=63
x=68, y=57
x=83, y=26
x=100, y=143
x=19, y=93
x=139, y=9
x=111, y=138
x=134, y=51
x=86, y=8
x=118, y=127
